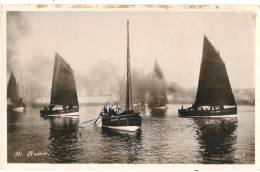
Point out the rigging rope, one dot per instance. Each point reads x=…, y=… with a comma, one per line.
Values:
x=95, y=123
x=120, y=88
x=96, y=119
x=121, y=85
x=88, y=121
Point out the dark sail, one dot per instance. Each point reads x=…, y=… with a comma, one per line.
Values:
x=157, y=71
x=63, y=84
x=214, y=86
x=12, y=89
x=129, y=104
x=157, y=92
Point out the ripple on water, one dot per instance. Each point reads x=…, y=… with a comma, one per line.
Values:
x=164, y=138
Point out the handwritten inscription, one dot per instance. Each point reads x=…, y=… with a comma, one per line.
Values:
x=31, y=153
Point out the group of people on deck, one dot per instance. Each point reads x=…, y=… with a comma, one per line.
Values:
x=50, y=108
x=195, y=108
x=109, y=111
x=64, y=107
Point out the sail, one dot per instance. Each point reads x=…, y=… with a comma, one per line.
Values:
x=129, y=103
x=12, y=89
x=214, y=86
x=157, y=92
x=63, y=84
x=157, y=71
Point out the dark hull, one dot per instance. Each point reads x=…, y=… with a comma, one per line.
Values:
x=70, y=112
x=158, y=108
x=228, y=112
x=157, y=105
x=158, y=111
x=125, y=121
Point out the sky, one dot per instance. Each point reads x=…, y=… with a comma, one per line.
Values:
x=174, y=39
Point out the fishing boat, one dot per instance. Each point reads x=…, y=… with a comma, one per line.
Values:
x=157, y=93
x=214, y=94
x=64, y=99
x=14, y=100
x=127, y=120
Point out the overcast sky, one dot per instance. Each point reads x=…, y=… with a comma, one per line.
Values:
x=174, y=39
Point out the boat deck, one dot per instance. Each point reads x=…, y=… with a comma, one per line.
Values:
x=190, y=112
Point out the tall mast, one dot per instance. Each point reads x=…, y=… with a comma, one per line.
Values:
x=129, y=104
x=21, y=89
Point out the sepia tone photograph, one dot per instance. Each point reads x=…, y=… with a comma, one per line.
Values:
x=131, y=86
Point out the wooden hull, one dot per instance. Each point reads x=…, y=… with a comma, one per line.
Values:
x=226, y=113
x=60, y=113
x=124, y=122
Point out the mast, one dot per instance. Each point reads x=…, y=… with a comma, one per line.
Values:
x=21, y=89
x=129, y=103
x=31, y=94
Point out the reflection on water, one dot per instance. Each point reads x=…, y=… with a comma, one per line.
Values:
x=164, y=138
x=159, y=139
x=124, y=146
x=12, y=119
x=158, y=112
x=141, y=109
x=64, y=139
x=216, y=138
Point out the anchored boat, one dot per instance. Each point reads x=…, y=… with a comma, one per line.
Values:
x=14, y=100
x=64, y=99
x=157, y=93
x=127, y=120
x=214, y=95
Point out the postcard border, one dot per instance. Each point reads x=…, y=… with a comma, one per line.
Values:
x=167, y=8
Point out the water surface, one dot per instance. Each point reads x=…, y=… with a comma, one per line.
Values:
x=164, y=138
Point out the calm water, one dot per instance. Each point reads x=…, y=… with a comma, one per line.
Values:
x=164, y=138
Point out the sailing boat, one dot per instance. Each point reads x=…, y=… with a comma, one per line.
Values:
x=128, y=120
x=64, y=100
x=157, y=93
x=14, y=101
x=214, y=91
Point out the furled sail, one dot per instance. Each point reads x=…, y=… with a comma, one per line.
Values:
x=214, y=86
x=63, y=84
x=157, y=92
x=12, y=89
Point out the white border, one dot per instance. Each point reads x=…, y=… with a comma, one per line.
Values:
x=257, y=86
x=138, y=2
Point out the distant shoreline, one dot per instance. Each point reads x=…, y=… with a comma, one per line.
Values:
x=102, y=104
